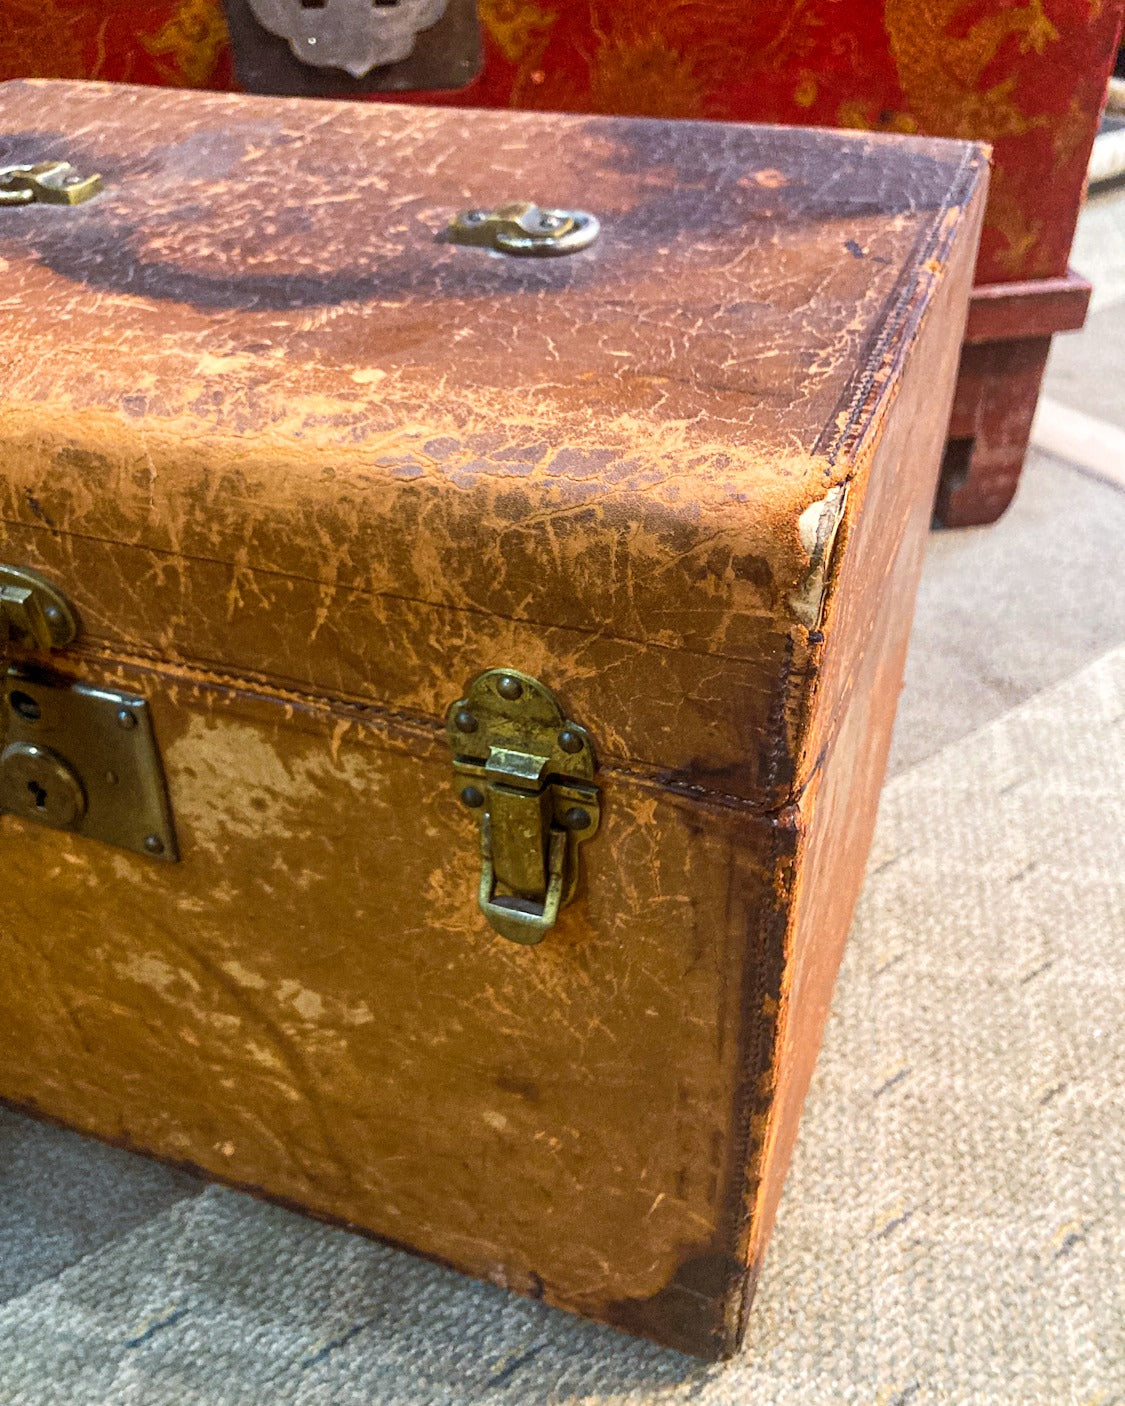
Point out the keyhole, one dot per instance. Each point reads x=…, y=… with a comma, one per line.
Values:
x=39, y=794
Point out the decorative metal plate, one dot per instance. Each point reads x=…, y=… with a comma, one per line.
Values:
x=355, y=35
x=447, y=55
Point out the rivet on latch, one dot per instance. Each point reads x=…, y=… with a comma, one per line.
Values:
x=530, y=773
x=520, y=227
x=46, y=183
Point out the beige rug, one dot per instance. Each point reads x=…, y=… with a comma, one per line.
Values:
x=953, y=1230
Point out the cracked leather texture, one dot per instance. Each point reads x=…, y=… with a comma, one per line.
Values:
x=368, y=462
x=304, y=469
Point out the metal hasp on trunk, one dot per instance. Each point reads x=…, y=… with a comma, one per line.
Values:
x=529, y=771
x=73, y=757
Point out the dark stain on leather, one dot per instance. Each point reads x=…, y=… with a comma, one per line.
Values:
x=37, y=508
x=517, y=1084
x=698, y=775
x=823, y=188
x=81, y=462
x=688, y=1313
x=104, y=257
x=101, y=246
x=754, y=569
x=104, y=246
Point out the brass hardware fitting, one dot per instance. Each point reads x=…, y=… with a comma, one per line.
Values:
x=528, y=771
x=46, y=183
x=34, y=614
x=520, y=227
x=73, y=757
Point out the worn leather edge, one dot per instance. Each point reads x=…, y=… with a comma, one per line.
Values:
x=767, y=1152
x=864, y=406
x=813, y=719
x=86, y=664
x=704, y=1309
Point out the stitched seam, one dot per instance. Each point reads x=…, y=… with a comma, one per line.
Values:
x=263, y=688
x=931, y=238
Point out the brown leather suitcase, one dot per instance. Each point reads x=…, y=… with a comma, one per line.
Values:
x=450, y=687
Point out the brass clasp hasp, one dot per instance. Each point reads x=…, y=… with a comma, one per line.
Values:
x=528, y=771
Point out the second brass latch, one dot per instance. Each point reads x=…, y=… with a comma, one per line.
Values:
x=528, y=771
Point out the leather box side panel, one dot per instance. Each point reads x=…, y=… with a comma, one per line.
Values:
x=869, y=611
x=309, y=1004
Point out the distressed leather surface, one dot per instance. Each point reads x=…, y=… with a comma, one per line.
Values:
x=307, y=1003
x=303, y=470
x=395, y=460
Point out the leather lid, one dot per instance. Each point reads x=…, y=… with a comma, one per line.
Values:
x=255, y=414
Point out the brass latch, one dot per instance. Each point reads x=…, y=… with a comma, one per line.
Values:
x=46, y=183
x=73, y=757
x=528, y=770
x=523, y=228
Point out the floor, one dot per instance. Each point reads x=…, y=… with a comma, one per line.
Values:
x=1006, y=614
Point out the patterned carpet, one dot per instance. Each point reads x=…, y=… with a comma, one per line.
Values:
x=952, y=1231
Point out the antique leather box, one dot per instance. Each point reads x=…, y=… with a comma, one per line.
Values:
x=449, y=688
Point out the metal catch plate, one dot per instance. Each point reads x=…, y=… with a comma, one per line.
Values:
x=46, y=183
x=86, y=760
x=528, y=771
x=524, y=229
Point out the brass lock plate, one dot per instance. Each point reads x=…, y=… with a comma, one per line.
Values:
x=527, y=771
x=85, y=760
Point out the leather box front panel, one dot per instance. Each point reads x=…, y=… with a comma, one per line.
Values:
x=303, y=469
